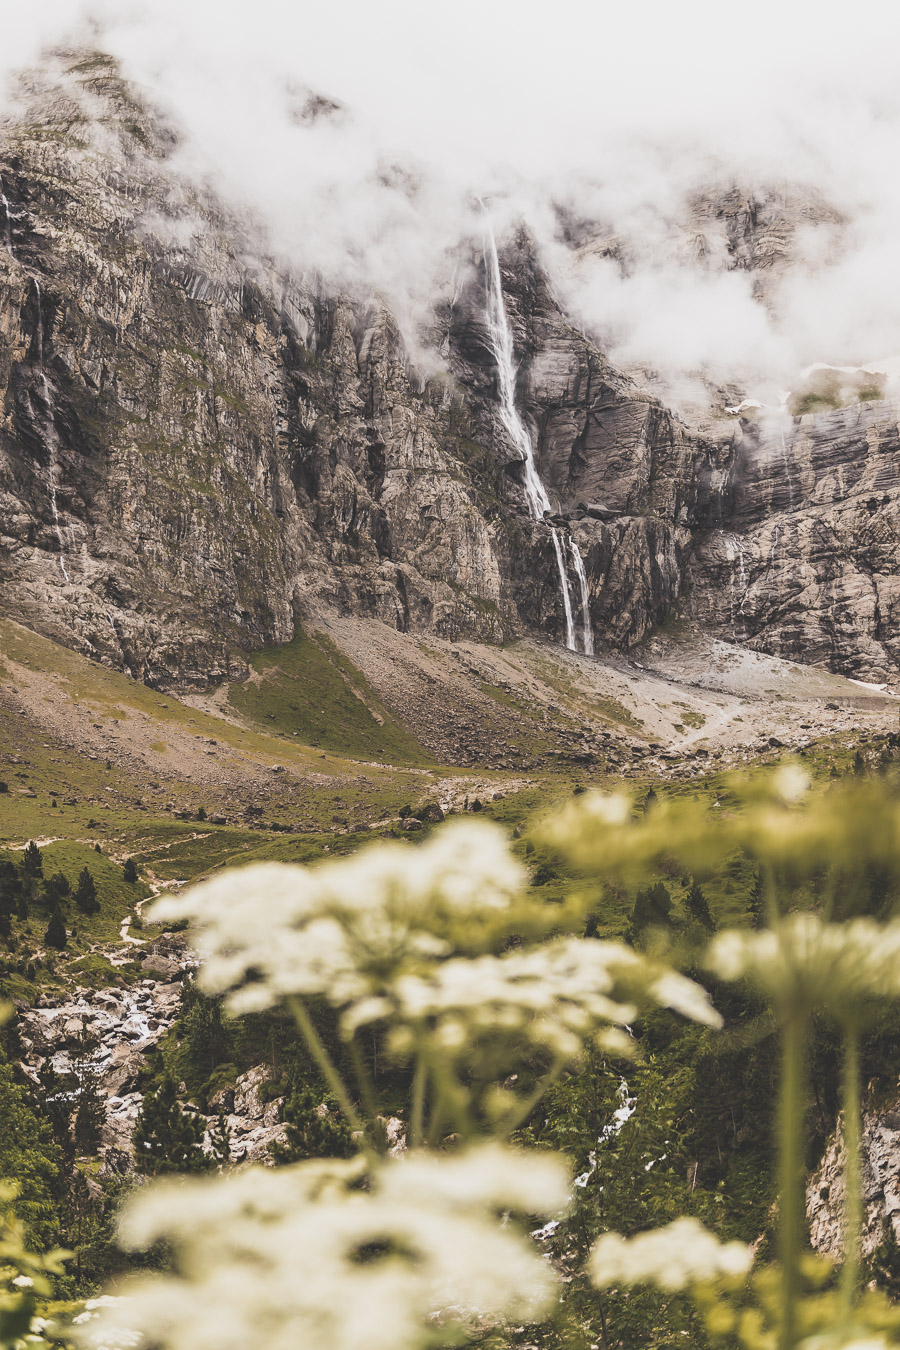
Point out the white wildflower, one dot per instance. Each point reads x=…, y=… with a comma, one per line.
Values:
x=671, y=990
x=611, y=809
x=806, y=960
x=791, y=782
x=343, y=927
x=306, y=1255
x=674, y=1257
x=839, y=1340
x=556, y=996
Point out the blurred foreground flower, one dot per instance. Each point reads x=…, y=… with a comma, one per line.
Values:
x=330, y=1256
x=558, y=996
x=344, y=927
x=772, y=818
x=810, y=963
x=676, y=1257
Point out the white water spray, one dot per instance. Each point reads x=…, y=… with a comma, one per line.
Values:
x=7, y=222
x=787, y=466
x=585, y=598
x=501, y=341
x=50, y=438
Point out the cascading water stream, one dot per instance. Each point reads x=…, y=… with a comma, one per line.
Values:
x=787, y=467
x=49, y=437
x=585, y=598
x=501, y=342
x=7, y=222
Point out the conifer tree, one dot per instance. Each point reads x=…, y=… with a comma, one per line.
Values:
x=10, y=891
x=86, y=893
x=220, y=1141
x=56, y=1093
x=29, y=1155
x=313, y=1128
x=55, y=936
x=697, y=907
x=54, y=891
x=129, y=871
x=33, y=861
x=90, y=1113
x=204, y=1036
x=757, y=905
x=166, y=1137
x=652, y=907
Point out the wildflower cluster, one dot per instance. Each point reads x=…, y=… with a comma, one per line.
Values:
x=442, y=953
x=852, y=828
x=335, y=1255
x=344, y=929
x=676, y=1257
x=557, y=996
x=408, y=937
x=838, y=966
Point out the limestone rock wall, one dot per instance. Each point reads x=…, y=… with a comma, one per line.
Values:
x=200, y=449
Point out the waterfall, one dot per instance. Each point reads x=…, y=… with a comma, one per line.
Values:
x=7, y=221
x=50, y=437
x=501, y=342
x=787, y=466
x=585, y=598
x=735, y=551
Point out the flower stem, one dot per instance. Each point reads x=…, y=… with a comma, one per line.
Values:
x=322, y=1058
x=791, y=1121
x=852, y=1187
x=417, y=1115
x=378, y=1132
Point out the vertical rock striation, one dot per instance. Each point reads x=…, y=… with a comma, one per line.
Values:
x=200, y=448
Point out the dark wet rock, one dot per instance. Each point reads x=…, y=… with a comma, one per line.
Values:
x=198, y=449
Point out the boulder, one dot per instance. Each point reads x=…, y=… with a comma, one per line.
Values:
x=247, y=1089
x=162, y=966
x=123, y=1077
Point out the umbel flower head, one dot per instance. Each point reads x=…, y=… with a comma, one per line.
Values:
x=674, y=1257
x=319, y=1256
x=773, y=819
x=554, y=997
x=809, y=963
x=345, y=927
x=379, y=936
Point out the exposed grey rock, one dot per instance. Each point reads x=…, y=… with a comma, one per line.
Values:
x=199, y=449
x=880, y=1184
x=123, y=1077
x=162, y=966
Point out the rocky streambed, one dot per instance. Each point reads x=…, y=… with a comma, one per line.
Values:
x=109, y=1033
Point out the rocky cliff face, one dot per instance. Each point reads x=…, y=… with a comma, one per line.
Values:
x=800, y=555
x=199, y=449
x=880, y=1185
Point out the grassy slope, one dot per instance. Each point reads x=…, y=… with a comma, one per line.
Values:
x=309, y=689
x=115, y=710
x=119, y=808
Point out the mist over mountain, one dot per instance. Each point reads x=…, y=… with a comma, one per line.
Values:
x=359, y=150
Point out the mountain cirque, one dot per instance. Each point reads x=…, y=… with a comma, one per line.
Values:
x=199, y=451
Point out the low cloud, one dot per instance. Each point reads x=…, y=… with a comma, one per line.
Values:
x=363, y=134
